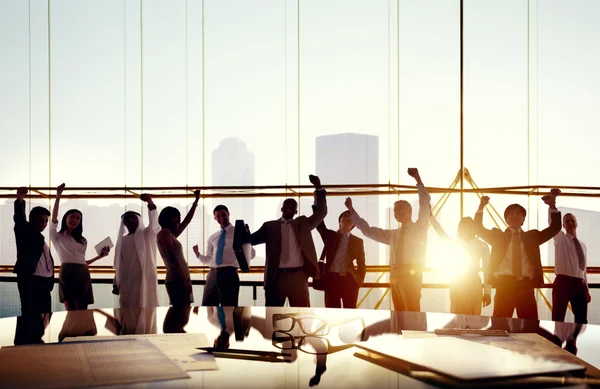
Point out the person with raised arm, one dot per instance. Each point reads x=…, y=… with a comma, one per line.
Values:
x=291, y=255
x=135, y=258
x=466, y=291
x=74, y=281
x=515, y=268
x=35, y=265
x=407, y=246
x=178, y=279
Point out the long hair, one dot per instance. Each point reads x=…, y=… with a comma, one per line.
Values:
x=77, y=233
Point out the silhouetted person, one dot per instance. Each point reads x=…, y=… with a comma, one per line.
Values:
x=74, y=281
x=34, y=266
x=407, y=246
x=135, y=259
x=570, y=267
x=31, y=328
x=567, y=334
x=516, y=269
x=342, y=279
x=466, y=291
x=178, y=280
x=222, y=282
x=176, y=319
x=290, y=253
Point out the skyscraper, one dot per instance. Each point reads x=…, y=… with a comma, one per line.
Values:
x=351, y=159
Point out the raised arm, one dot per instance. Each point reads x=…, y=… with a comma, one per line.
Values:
x=153, y=226
x=59, y=190
x=438, y=229
x=377, y=234
x=488, y=235
x=323, y=231
x=320, y=208
x=424, y=199
x=259, y=237
x=190, y=214
x=19, y=218
x=555, y=218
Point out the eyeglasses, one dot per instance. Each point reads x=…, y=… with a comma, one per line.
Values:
x=308, y=324
x=309, y=344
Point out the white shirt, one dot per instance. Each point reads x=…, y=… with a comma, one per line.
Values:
x=291, y=254
x=565, y=256
x=340, y=263
x=415, y=235
x=44, y=266
x=505, y=267
x=229, y=258
x=68, y=249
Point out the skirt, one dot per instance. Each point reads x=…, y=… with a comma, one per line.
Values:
x=75, y=284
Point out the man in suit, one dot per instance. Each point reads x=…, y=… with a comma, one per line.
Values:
x=291, y=257
x=342, y=278
x=34, y=266
x=516, y=268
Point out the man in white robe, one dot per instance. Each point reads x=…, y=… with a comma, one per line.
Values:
x=135, y=259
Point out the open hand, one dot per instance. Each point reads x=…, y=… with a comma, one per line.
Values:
x=348, y=203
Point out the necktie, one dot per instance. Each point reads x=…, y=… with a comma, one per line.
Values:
x=342, y=254
x=220, y=246
x=580, y=254
x=516, y=255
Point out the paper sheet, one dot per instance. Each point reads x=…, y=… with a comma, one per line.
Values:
x=73, y=365
x=181, y=348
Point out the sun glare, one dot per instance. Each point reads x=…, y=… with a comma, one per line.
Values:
x=448, y=259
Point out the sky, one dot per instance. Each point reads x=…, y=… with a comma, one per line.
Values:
x=119, y=92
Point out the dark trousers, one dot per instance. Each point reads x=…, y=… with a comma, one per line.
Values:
x=34, y=292
x=340, y=289
x=222, y=287
x=567, y=290
x=291, y=284
x=514, y=294
x=406, y=282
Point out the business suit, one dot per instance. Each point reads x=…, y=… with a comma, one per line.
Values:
x=512, y=292
x=34, y=291
x=280, y=284
x=342, y=286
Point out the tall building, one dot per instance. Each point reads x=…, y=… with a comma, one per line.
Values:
x=351, y=159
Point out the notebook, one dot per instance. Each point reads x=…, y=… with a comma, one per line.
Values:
x=465, y=360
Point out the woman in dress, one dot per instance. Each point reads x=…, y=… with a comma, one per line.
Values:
x=178, y=280
x=74, y=281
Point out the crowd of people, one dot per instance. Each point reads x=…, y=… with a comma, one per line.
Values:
x=513, y=266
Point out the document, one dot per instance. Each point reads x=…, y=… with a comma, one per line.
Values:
x=105, y=242
x=180, y=348
x=77, y=364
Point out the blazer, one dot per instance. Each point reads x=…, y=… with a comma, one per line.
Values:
x=356, y=250
x=532, y=239
x=270, y=234
x=30, y=243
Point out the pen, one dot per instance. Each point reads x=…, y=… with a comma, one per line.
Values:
x=452, y=331
x=238, y=351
